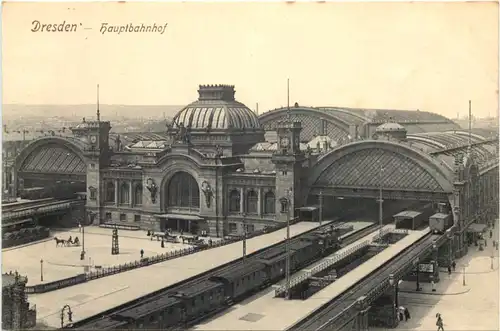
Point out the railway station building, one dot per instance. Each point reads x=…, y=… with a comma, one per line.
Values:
x=221, y=168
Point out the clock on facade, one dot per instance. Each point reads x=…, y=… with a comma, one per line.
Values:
x=285, y=142
x=93, y=139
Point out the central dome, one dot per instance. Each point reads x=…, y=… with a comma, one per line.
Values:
x=216, y=109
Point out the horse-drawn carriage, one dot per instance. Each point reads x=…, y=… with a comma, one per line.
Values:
x=163, y=236
x=68, y=242
x=194, y=240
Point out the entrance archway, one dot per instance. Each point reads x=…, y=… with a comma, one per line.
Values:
x=183, y=197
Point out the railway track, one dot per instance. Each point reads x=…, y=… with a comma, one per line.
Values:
x=172, y=289
x=320, y=319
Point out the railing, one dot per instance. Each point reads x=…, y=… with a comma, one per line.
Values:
x=56, y=285
x=103, y=272
x=322, y=266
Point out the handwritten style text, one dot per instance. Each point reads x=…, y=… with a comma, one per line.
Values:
x=107, y=28
x=37, y=26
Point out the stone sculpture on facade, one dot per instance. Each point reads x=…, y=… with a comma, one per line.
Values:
x=152, y=188
x=207, y=191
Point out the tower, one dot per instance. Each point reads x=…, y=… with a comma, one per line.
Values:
x=288, y=160
x=95, y=136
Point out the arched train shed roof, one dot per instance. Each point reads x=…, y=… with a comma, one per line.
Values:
x=340, y=119
x=423, y=163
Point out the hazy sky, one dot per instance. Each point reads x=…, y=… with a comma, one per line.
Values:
x=430, y=56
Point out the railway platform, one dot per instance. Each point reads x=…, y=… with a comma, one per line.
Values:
x=264, y=311
x=99, y=295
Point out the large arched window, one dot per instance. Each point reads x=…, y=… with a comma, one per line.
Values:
x=124, y=193
x=110, y=191
x=252, y=202
x=234, y=201
x=183, y=191
x=269, y=203
x=138, y=194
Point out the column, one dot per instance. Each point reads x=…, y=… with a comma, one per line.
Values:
x=242, y=200
x=130, y=196
x=117, y=188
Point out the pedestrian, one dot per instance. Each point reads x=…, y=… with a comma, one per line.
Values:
x=407, y=314
x=142, y=253
x=453, y=265
x=491, y=234
x=80, y=227
x=439, y=323
x=449, y=271
x=162, y=243
x=433, y=285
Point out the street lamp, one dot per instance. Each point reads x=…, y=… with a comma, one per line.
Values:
x=394, y=283
x=449, y=235
x=69, y=312
x=82, y=254
x=41, y=270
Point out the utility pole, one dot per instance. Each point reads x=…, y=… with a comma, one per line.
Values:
x=380, y=208
x=320, y=207
x=470, y=124
x=287, y=265
x=244, y=238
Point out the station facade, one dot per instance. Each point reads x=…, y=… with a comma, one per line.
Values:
x=221, y=168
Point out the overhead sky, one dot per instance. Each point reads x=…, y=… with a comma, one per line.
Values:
x=427, y=56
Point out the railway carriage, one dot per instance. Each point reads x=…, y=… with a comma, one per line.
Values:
x=274, y=261
x=199, y=299
x=241, y=279
x=155, y=314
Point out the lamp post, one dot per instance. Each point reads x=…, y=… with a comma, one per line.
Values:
x=394, y=283
x=449, y=235
x=82, y=254
x=41, y=270
x=380, y=201
x=69, y=312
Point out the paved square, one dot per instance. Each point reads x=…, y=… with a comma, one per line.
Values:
x=470, y=307
x=62, y=262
